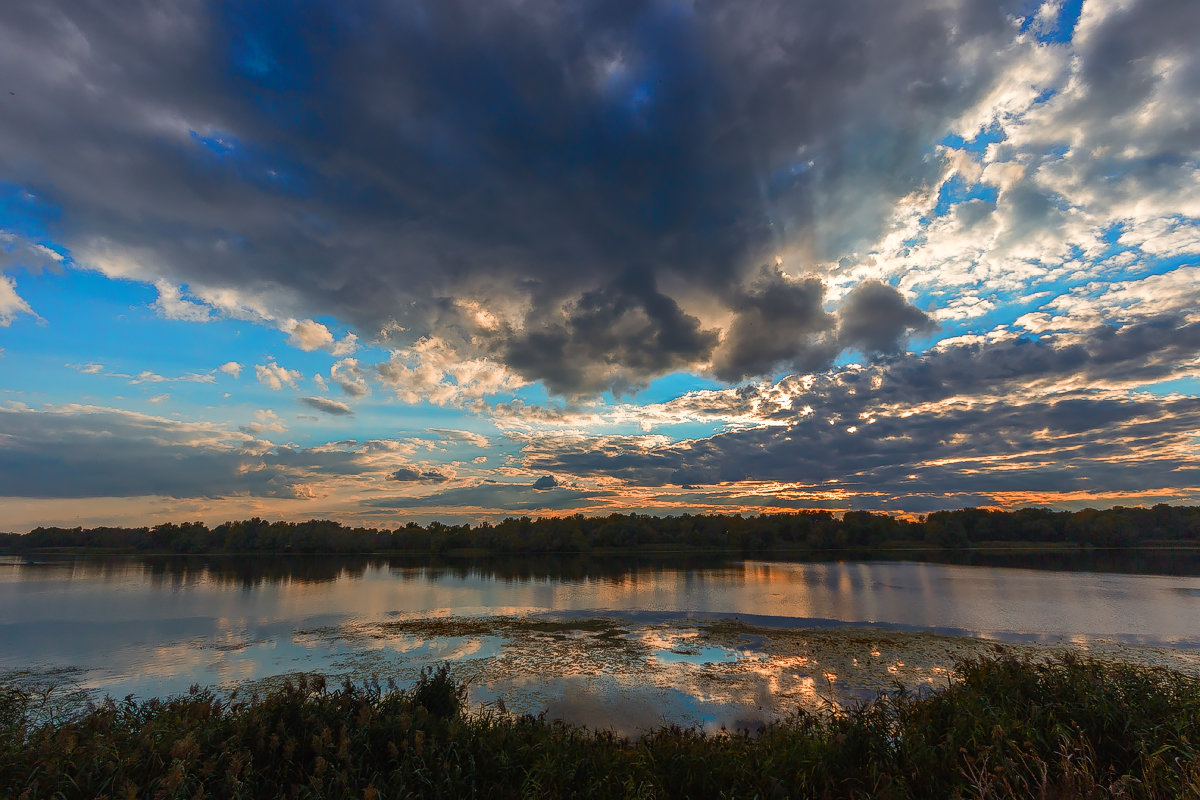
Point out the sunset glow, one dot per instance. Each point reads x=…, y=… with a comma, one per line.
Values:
x=465, y=261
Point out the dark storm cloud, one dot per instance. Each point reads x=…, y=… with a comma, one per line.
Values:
x=1085, y=444
x=964, y=418
x=499, y=496
x=778, y=322
x=545, y=482
x=875, y=318
x=613, y=338
x=408, y=475
x=376, y=162
x=1148, y=350
x=84, y=451
x=324, y=404
x=340, y=459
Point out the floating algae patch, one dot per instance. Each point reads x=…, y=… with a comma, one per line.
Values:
x=555, y=646
x=501, y=658
x=621, y=673
x=632, y=675
x=805, y=668
x=783, y=669
x=273, y=683
x=607, y=672
x=712, y=674
x=1185, y=659
x=521, y=665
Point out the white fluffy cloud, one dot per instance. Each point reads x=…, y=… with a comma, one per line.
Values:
x=308, y=335
x=431, y=370
x=171, y=304
x=276, y=377
x=1090, y=153
x=350, y=376
x=149, y=376
x=265, y=421
x=11, y=304
x=345, y=346
x=16, y=251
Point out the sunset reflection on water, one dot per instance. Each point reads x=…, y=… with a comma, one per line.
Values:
x=712, y=645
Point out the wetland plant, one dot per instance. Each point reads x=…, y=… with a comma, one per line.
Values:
x=1005, y=727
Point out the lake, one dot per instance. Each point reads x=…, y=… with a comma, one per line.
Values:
x=611, y=643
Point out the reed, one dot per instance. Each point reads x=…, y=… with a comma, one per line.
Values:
x=1004, y=727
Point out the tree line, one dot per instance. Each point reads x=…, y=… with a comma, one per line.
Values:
x=802, y=530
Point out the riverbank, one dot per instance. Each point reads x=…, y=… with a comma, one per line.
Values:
x=902, y=548
x=1002, y=727
x=808, y=532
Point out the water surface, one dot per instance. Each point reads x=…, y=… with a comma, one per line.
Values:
x=705, y=642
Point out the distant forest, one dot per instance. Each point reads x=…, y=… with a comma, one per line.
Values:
x=800, y=531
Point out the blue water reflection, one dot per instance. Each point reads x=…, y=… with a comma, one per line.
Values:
x=152, y=627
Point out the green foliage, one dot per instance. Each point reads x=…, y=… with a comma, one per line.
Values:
x=439, y=693
x=1004, y=728
x=804, y=531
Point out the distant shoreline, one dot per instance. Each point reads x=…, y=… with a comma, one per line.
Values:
x=798, y=535
x=779, y=554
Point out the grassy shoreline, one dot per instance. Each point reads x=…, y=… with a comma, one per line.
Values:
x=1003, y=727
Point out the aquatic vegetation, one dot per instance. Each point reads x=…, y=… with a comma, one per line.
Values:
x=1003, y=727
x=633, y=673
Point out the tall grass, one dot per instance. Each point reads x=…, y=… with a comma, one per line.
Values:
x=1004, y=728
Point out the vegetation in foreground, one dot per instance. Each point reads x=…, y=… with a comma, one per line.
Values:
x=1004, y=727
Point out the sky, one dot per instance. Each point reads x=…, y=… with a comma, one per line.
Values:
x=404, y=260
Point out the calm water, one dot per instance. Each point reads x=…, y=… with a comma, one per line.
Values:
x=155, y=626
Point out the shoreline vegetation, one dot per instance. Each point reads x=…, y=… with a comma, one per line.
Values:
x=1003, y=727
x=799, y=533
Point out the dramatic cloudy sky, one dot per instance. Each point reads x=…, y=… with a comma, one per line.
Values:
x=401, y=259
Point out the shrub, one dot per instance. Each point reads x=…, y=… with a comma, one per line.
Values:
x=1004, y=728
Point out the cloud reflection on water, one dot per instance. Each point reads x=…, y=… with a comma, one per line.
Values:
x=709, y=646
